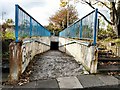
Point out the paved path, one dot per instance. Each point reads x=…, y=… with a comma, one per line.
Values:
x=54, y=64
x=61, y=71
x=81, y=81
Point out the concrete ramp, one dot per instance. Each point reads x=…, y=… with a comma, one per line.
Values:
x=83, y=52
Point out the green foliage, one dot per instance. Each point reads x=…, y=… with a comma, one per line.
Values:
x=10, y=35
x=108, y=33
x=53, y=28
x=5, y=25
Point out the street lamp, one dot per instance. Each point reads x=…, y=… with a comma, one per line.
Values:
x=3, y=13
x=68, y=14
x=66, y=3
x=63, y=4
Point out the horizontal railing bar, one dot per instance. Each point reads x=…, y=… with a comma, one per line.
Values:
x=82, y=43
x=29, y=41
x=67, y=43
x=80, y=38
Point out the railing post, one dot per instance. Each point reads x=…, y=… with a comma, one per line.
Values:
x=30, y=27
x=81, y=29
x=16, y=22
x=95, y=27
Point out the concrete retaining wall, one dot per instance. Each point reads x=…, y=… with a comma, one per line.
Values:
x=22, y=53
x=83, y=52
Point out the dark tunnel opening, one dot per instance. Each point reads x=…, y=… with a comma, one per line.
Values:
x=54, y=46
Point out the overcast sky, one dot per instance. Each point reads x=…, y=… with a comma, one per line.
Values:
x=41, y=10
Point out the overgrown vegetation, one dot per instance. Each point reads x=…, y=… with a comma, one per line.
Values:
x=106, y=34
x=107, y=37
x=10, y=35
x=7, y=35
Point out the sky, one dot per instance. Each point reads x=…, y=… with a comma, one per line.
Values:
x=41, y=10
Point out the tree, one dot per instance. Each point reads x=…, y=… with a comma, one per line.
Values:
x=113, y=6
x=59, y=20
x=53, y=28
x=5, y=25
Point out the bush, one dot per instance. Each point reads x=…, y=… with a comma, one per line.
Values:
x=108, y=33
x=10, y=35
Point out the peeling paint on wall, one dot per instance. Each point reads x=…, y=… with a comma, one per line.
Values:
x=22, y=53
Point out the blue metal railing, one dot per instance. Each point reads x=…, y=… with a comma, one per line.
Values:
x=84, y=28
x=27, y=26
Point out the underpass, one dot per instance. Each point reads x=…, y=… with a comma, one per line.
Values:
x=62, y=60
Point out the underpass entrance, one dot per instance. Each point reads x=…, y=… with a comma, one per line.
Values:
x=54, y=45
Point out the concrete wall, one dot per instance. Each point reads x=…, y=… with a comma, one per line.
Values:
x=54, y=39
x=22, y=53
x=83, y=52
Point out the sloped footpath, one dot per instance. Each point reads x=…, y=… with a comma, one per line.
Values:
x=57, y=70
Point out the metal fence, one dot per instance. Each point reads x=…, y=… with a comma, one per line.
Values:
x=84, y=28
x=27, y=26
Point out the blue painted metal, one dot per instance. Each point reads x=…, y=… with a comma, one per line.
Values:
x=81, y=29
x=27, y=26
x=16, y=22
x=95, y=27
x=30, y=27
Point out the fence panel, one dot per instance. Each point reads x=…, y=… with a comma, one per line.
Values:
x=84, y=28
x=27, y=26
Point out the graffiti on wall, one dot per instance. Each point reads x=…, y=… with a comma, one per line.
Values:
x=28, y=50
x=26, y=54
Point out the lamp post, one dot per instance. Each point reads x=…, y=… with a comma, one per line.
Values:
x=68, y=13
x=63, y=4
x=3, y=30
x=3, y=13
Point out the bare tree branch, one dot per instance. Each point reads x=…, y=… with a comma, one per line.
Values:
x=95, y=3
x=89, y=4
x=98, y=12
x=82, y=2
x=104, y=4
x=105, y=18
